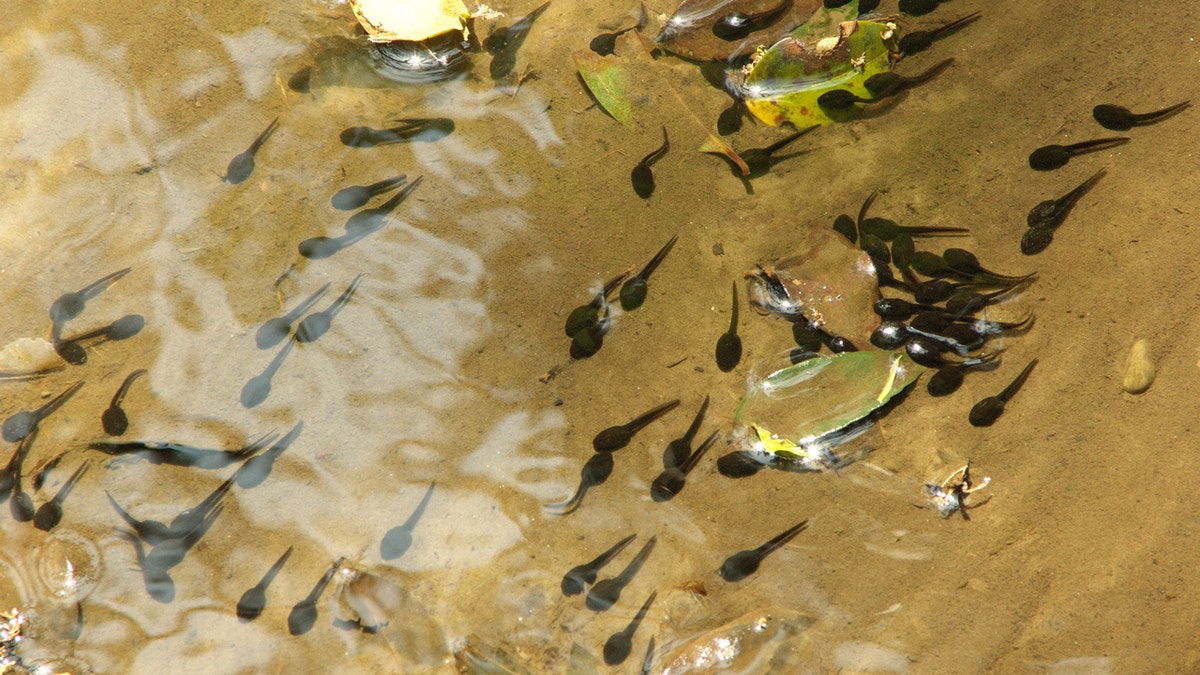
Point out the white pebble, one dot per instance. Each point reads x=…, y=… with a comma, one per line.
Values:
x=1139, y=369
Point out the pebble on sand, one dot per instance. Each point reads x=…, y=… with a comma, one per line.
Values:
x=1139, y=369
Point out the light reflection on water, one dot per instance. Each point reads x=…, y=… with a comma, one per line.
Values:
x=118, y=127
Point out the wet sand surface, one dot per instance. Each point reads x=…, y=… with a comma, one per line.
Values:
x=121, y=121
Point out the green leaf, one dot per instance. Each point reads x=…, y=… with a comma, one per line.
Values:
x=826, y=393
x=605, y=79
x=784, y=84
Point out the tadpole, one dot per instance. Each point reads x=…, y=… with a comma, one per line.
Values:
x=578, y=578
x=672, y=480
x=22, y=423
x=607, y=592
x=151, y=531
x=72, y=350
x=50, y=514
x=967, y=264
x=760, y=160
x=399, y=539
x=729, y=345
x=587, y=316
x=113, y=419
x=252, y=602
x=8, y=477
x=1048, y=215
x=949, y=377
x=920, y=40
x=258, y=467
x=841, y=99
x=620, y=644
x=277, y=329
x=258, y=388
x=987, y=411
x=241, y=166
x=595, y=471
x=930, y=353
x=678, y=450
x=1119, y=118
x=503, y=43
x=641, y=176
x=605, y=43
x=744, y=563
x=424, y=129
x=735, y=25
x=889, y=82
x=70, y=305
x=889, y=230
x=618, y=436
x=633, y=291
x=304, y=614
x=158, y=582
x=1050, y=157
x=317, y=324
x=370, y=220
x=350, y=198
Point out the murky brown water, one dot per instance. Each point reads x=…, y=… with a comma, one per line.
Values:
x=121, y=118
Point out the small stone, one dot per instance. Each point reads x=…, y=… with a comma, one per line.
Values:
x=1139, y=369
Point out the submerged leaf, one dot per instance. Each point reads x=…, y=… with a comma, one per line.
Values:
x=605, y=79
x=784, y=83
x=829, y=282
x=689, y=32
x=824, y=394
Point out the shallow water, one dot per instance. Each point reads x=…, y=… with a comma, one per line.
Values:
x=120, y=122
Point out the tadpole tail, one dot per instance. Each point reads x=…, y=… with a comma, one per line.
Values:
x=386, y=183
x=658, y=258
x=1096, y=144
x=699, y=418
x=638, y=560
x=612, y=285
x=420, y=510
x=391, y=204
x=100, y=285
x=57, y=401
x=270, y=575
x=124, y=388
x=782, y=538
x=70, y=484
x=1015, y=386
x=694, y=459
x=934, y=70
x=325, y=579
x=956, y=24
x=733, y=322
x=651, y=415
x=1068, y=200
x=862, y=212
x=262, y=138
x=344, y=298
x=784, y=142
x=307, y=304
x=569, y=506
